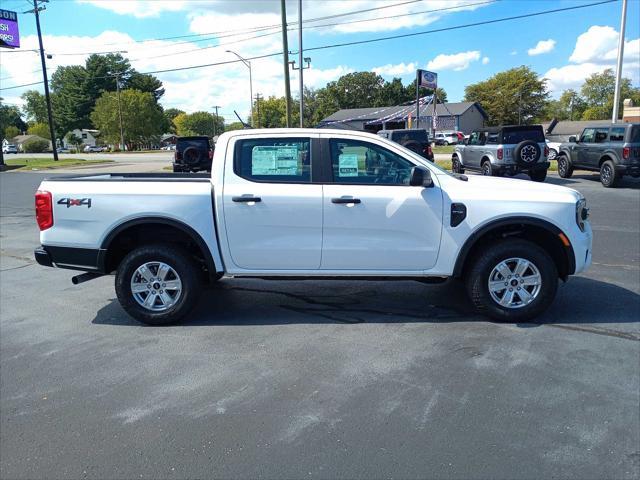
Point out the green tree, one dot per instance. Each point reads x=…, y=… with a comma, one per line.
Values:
x=233, y=126
x=102, y=71
x=510, y=97
x=146, y=83
x=170, y=114
x=598, y=92
x=142, y=118
x=198, y=123
x=74, y=140
x=410, y=93
x=40, y=129
x=11, y=132
x=272, y=112
x=71, y=101
x=10, y=116
x=35, y=106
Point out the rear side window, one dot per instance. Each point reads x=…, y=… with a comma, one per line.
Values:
x=635, y=135
x=416, y=135
x=517, y=135
x=492, y=138
x=197, y=143
x=286, y=160
x=617, y=134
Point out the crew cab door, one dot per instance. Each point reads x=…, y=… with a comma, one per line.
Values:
x=272, y=210
x=373, y=219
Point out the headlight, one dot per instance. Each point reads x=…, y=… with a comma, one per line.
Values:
x=582, y=213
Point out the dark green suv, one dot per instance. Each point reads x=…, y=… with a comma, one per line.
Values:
x=613, y=150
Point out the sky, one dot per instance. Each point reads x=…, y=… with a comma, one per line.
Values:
x=563, y=47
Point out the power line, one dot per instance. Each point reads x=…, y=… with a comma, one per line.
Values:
x=372, y=40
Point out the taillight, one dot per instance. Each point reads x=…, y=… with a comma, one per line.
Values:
x=210, y=154
x=499, y=154
x=626, y=152
x=44, y=210
x=177, y=155
x=546, y=151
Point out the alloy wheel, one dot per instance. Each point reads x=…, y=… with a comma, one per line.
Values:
x=514, y=283
x=156, y=286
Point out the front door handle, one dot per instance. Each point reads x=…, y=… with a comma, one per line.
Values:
x=246, y=199
x=345, y=200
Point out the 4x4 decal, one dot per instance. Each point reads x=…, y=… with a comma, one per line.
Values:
x=75, y=202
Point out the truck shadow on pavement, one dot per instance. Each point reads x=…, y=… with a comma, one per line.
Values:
x=261, y=302
x=626, y=182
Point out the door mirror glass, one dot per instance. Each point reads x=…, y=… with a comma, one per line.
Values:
x=421, y=177
x=573, y=139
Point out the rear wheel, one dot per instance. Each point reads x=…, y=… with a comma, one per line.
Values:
x=513, y=280
x=157, y=284
x=565, y=170
x=538, y=175
x=487, y=169
x=608, y=175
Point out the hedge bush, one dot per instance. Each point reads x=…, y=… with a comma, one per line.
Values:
x=35, y=145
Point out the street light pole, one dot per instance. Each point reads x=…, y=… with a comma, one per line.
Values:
x=616, y=95
x=36, y=10
x=300, y=62
x=122, y=144
x=215, y=121
x=285, y=52
x=247, y=63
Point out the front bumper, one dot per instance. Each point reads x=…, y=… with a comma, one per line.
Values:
x=582, y=243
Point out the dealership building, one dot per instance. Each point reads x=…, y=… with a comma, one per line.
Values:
x=461, y=116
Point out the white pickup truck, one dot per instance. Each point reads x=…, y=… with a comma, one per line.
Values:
x=313, y=204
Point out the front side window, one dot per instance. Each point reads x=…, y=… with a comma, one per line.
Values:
x=601, y=135
x=474, y=139
x=354, y=161
x=285, y=160
x=617, y=134
x=588, y=135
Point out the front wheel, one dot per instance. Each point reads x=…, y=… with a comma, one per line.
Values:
x=157, y=284
x=564, y=167
x=513, y=280
x=552, y=154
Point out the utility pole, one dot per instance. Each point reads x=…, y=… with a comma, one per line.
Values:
x=36, y=11
x=122, y=144
x=258, y=98
x=300, y=63
x=215, y=121
x=285, y=51
x=616, y=95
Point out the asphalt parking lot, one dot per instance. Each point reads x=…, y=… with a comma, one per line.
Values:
x=295, y=379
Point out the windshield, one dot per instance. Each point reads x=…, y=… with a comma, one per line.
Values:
x=418, y=135
x=517, y=135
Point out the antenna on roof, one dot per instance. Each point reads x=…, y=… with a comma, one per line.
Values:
x=244, y=124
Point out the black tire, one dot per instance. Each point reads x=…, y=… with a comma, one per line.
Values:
x=608, y=175
x=479, y=275
x=538, y=175
x=445, y=143
x=487, y=168
x=456, y=166
x=565, y=170
x=527, y=152
x=181, y=263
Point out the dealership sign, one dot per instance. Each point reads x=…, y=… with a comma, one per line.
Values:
x=427, y=79
x=9, y=36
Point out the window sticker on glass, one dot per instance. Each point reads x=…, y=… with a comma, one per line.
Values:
x=272, y=160
x=348, y=165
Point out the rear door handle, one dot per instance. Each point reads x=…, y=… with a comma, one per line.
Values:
x=345, y=200
x=246, y=199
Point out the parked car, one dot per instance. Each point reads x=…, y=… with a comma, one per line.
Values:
x=93, y=149
x=554, y=148
x=315, y=204
x=509, y=149
x=9, y=148
x=63, y=150
x=193, y=154
x=416, y=140
x=613, y=150
x=447, y=138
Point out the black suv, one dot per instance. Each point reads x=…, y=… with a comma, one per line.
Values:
x=193, y=154
x=613, y=150
x=416, y=140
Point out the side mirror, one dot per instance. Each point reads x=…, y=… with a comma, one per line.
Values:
x=420, y=177
x=573, y=139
